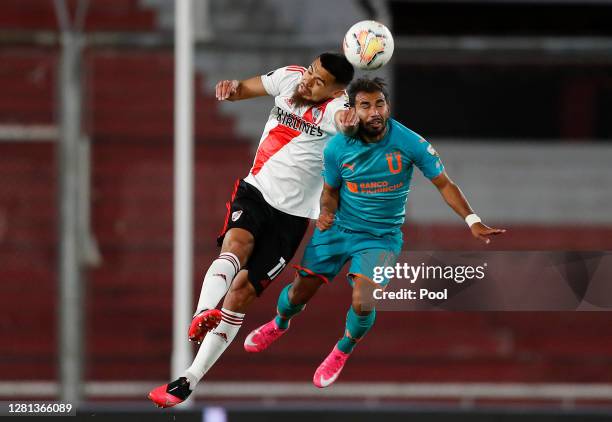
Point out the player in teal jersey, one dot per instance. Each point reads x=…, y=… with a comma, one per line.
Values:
x=367, y=180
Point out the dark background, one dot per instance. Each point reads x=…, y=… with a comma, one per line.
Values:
x=524, y=95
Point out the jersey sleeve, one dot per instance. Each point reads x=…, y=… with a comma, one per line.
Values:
x=337, y=104
x=331, y=168
x=426, y=158
x=282, y=80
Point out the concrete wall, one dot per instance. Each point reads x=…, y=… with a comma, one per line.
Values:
x=522, y=182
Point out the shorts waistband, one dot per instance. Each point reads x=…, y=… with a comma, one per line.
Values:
x=386, y=235
x=345, y=230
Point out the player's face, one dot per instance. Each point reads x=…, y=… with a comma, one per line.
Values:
x=373, y=111
x=317, y=84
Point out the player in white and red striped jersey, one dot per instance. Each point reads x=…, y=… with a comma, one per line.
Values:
x=268, y=214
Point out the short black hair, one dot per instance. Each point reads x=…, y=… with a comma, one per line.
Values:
x=368, y=85
x=340, y=68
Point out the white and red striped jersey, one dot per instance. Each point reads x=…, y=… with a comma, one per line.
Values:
x=289, y=161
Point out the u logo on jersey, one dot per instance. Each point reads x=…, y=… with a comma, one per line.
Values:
x=398, y=159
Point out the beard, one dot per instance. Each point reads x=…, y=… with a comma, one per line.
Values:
x=299, y=101
x=372, y=131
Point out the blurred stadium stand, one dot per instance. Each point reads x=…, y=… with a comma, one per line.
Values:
x=122, y=15
x=129, y=119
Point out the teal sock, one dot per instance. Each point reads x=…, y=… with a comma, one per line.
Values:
x=357, y=326
x=285, y=309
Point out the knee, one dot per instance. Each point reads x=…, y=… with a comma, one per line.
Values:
x=363, y=299
x=239, y=242
x=234, y=239
x=362, y=305
x=358, y=303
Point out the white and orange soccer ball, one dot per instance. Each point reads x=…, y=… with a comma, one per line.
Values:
x=368, y=45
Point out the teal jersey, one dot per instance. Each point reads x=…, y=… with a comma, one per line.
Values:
x=374, y=178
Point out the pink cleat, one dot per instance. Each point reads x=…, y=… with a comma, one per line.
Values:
x=207, y=320
x=330, y=368
x=170, y=394
x=262, y=337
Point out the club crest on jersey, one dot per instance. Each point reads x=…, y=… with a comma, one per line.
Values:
x=394, y=168
x=317, y=115
x=236, y=215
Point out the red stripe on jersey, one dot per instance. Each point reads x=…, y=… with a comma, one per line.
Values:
x=324, y=106
x=276, y=139
x=228, y=205
x=296, y=69
x=308, y=115
x=281, y=136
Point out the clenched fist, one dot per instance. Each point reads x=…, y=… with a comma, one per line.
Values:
x=348, y=121
x=325, y=221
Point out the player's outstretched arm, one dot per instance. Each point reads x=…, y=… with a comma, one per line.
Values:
x=329, y=205
x=456, y=200
x=240, y=90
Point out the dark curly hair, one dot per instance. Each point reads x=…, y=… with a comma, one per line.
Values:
x=338, y=66
x=368, y=85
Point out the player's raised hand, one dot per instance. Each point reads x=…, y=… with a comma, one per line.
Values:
x=225, y=89
x=348, y=121
x=484, y=232
x=325, y=221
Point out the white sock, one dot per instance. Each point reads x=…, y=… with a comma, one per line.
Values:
x=217, y=281
x=214, y=345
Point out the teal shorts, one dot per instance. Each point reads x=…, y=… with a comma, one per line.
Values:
x=328, y=251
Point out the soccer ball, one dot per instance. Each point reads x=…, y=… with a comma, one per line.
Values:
x=368, y=45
